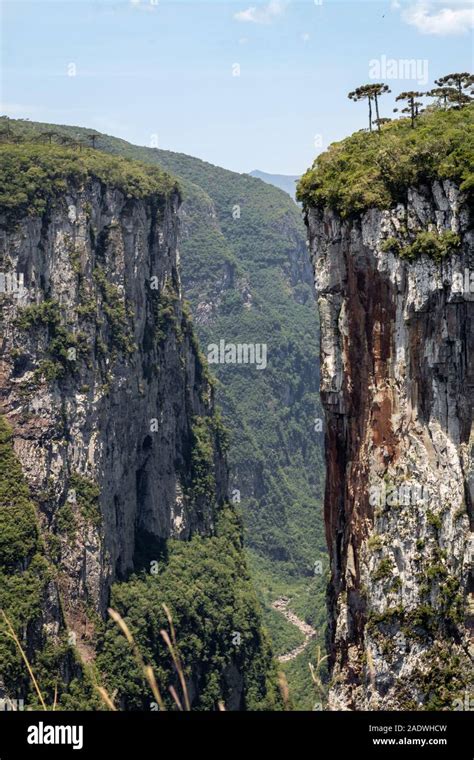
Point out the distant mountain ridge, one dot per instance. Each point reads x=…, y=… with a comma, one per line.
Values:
x=286, y=182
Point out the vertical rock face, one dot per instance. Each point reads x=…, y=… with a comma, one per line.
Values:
x=397, y=377
x=113, y=472
x=102, y=382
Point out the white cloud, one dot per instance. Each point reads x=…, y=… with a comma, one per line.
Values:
x=430, y=18
x=264, y=14
x=144, y=5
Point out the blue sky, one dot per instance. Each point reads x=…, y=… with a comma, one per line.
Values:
x=166, y=71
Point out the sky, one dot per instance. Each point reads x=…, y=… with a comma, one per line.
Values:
x=244, y=85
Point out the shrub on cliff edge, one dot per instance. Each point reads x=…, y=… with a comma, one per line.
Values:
x=368, y=170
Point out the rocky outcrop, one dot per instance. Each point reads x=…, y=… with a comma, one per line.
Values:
x=397, y=384
x=103, y=385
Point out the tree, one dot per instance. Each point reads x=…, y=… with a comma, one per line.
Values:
x=377, y=91
x=67, y=141
x=464, y=99
x=445, y=94
x=49, y=135
x=413, y=105
x=363, y=93
x=460, y=81
x=372, y=93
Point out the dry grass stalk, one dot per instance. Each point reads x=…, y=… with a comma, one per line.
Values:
x=105, y=698
x=176, y=698
x=172, y=646
x=150, y=676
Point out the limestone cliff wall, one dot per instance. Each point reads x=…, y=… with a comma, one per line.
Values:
x=101, y=380
x=397, y=384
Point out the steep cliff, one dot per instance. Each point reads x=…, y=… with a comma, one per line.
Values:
x=246, y=272
x=109, y=419
x=392, y=246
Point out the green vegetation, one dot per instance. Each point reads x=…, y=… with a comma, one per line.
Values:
x=391, y=245
x=433, y=244
x=427, y=619
x=164, y=307
x=422, y=617
x=433, y=520
x=396, y=584
x=87, y=494
x=205, y=584
x=202, y=460
x=25, y=573
x=384, y=570
x=303, y=695
x=451, y=600
x=60, y=341
x=444, y=676
x=369, y=170
x=436, y=570
x=374, y=543
x=307, y=600
x=45, y=313
x=118, y=316
x=285, y=636
x=33, y=174
x=19, y=535
x=389, y=617
x=65, y=521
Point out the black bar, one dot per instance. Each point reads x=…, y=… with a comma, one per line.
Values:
x=298, y=734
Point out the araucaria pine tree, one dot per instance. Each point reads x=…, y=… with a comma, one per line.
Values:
x=371, y=93
x=462, y=82
x=413, y=105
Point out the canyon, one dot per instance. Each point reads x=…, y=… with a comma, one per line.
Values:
x=117, y=465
